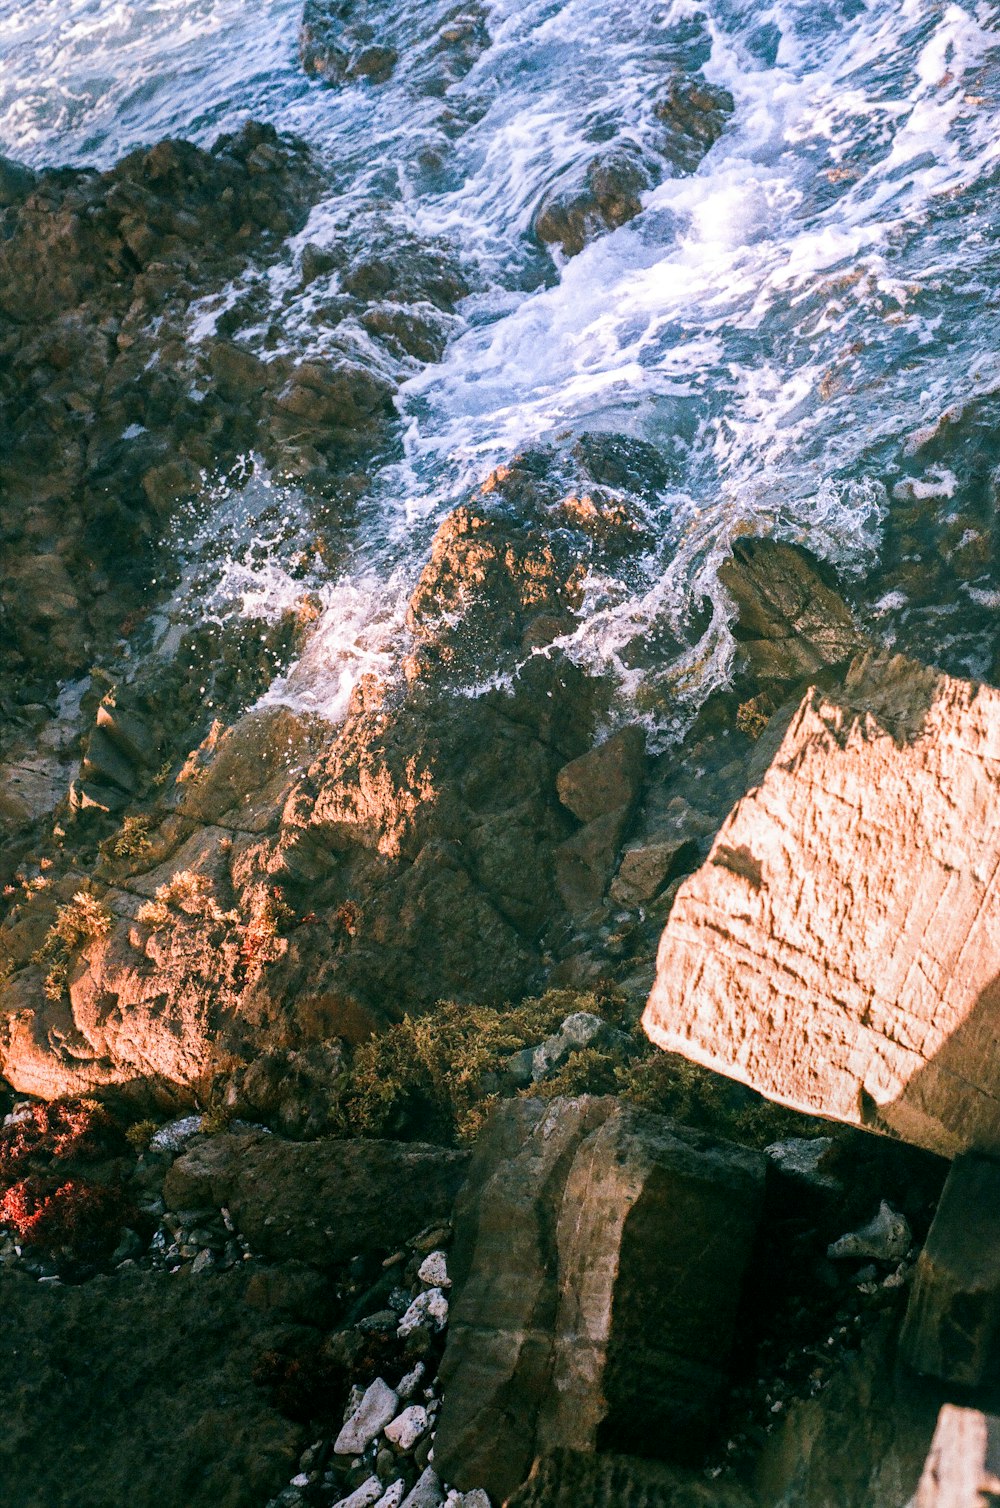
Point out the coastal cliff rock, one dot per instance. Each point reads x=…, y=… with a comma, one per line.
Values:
x=835, y=951
x=561, y=1335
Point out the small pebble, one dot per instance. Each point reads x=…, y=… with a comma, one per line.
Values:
x=433, y=1270
x=428, y=1308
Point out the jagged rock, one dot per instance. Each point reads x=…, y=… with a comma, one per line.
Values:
x=645, y=870
x=885, y=1238
x=599, y=195
x=560, y=1333
x=791, y=622
x=835, y=950
x=605, y=779
x=323, y=1201
x=577, y=1479
x=804, y=1160
x=695, y=113
x=376, y=1409
x=963, y=1465
x=952, y=1326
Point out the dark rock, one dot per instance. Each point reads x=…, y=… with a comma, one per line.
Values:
x=792, y=622
x=607, y=778
x=144, y=1382
x=321, y=1202
x=952, y=1326
x=565, y=1329
x=16, y=181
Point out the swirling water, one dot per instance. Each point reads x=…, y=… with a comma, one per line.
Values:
x=822, y=288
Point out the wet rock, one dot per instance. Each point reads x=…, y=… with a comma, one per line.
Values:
x=559, y=1334
x=275, y=1190
x=952, y=1325
x=600, y=195
x=605, y=779
x=833, y=951
x=695, y=114
x=963, y=1465
x=792, y=622
x=885, y=1238
x=376, y=1409
x=577, y=1479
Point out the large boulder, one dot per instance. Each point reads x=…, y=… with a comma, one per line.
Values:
x=836, y=951
x=598, y=1265
x=322, y=1202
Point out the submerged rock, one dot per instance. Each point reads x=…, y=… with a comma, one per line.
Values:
x=834, y=951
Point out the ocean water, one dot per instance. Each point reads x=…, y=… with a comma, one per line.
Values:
x=782, y=322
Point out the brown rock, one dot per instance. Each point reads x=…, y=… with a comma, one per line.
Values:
x=963, y=1465
x=952, y=1326
x=602, y=195
x=321, y=1202
x=836, y=950
x=645, y=870
x=561, y=1332
x=792, y=623
x=695, y=113
x=606, y=778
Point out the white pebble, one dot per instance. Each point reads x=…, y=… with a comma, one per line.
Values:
x=393, y=1495
x=372, y=1414
x=428, y=1308
x=427, y=1492
x=302, y=1480
x=175, y=1134
x=411, y=1425
x=408, y=1385
x=364, y=1496
x=433, y=1270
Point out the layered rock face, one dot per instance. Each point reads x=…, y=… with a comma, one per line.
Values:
x=836, y=951
x=598, y=1270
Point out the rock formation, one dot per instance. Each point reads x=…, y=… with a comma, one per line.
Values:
x=834, y=951
x=561, y=1334
x=963, y=1467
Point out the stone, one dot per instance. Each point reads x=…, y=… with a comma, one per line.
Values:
x=427, y=1492
x=433, y=1270
x=364, y=1496
x=646, y=869
x=695, y=113
x=408, y=1427
x=175, y=1135
x=429, y=1309
x=393, y=1494
x=803, y=1160
x=593, y=197
x=836, y=949
x=578, y=1479
x=274, y=1190
x=963, y=1464
x=885, y=1238
x=373, y=1413
x=564, y=1329
x=581, y=1029
x=952, y=1324
x=792, y=622
x=605, y=778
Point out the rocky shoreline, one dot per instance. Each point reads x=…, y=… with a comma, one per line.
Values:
x=336, y=1165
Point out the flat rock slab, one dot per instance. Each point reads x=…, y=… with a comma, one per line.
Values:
x=321, y=1201
x=952, y=1325
x=839, y=950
